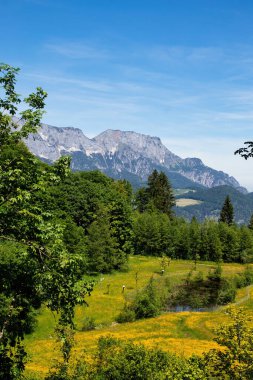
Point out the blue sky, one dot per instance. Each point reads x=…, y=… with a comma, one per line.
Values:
x=178, y=69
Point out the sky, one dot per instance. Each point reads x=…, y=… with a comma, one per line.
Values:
x=181, y=70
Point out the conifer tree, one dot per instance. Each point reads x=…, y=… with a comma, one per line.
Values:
x=158, y=195
x=250, y=225
x=227, y=212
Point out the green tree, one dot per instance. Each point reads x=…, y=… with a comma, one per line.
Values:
x=158, y=195
x=38, y=268
x=121, y=360
x=227, y=212
x=102, y=247
x=211, y=248
x=194, y=240
x=152, y=234
x=82, y=195
x=236, y=360
x=245, y=245
x=230, y=242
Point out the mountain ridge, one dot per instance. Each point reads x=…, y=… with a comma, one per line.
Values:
x=116, y=152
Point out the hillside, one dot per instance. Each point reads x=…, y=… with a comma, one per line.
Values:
x=211, y=201
x=184, y=333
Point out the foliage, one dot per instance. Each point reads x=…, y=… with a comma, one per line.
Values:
x=155, y=234
x=158, y=194
x=147, y=303
x=120, y=360
x=88, y=324
x=247, y=151
x=126, y=315
x=250, y=225
x=227, y=212
x=199, y=292
x=152, y=234
x=212, y=200
x=38, y=268
x=103, y=251
x=236, y=360
x=245, y=278
x=92, y=201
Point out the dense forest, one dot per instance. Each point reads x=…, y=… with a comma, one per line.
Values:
x=57, y=228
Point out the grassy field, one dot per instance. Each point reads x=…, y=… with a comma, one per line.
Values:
x=183, y=202
x=184, y=333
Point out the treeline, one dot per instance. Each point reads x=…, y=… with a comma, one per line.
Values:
x=105, y=222
x=155, y=234
x=96, y=214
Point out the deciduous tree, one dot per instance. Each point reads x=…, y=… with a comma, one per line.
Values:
x=38, y=268
x=236, y=360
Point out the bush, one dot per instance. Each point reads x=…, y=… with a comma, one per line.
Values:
x=244, y=279
x=145, y=307
x=127, y=315
x=227, y=293
x=248, y=276
x=88, y=324
x=147, y=304
x=118, y=360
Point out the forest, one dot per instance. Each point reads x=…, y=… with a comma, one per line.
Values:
x=59, y=230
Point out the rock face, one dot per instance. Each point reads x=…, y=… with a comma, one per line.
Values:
x=127, y=155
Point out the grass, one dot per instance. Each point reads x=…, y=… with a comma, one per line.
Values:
x=184, y=333
x=183, y=202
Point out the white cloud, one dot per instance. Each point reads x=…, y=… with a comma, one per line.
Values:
x=77, y=50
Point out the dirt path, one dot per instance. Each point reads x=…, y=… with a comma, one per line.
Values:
x=245, y=298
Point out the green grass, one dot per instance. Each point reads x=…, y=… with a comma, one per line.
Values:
x=180, y=332
x=184, y=202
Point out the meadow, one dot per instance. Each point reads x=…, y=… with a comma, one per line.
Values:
x=183, y=202
x=184, y=333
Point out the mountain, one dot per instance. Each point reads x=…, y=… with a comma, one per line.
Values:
x=211, y=202
x=128, y=155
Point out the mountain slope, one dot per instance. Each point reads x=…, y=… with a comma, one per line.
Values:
x=127, y=155
x=212, y=201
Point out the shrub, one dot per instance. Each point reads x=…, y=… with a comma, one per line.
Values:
x=146, y=304
x=127, y=315
x=88, y=324
x=119, y=360
x=145, y=307
x=227, y=293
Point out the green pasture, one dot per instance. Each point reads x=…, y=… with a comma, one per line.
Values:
x=185, y=333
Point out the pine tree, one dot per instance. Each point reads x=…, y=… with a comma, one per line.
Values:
x=227, y=212
x=160, y=192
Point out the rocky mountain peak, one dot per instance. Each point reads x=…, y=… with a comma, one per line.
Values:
x=124, y=154
x=115, y=140
x=52, y=142
x=193, y=162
